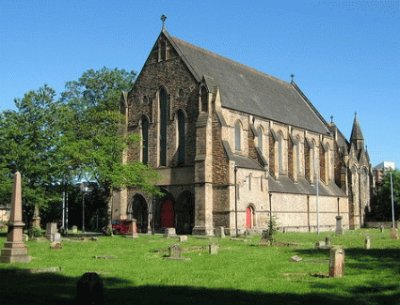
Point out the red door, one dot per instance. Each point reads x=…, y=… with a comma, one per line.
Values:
x=249, y=218
x=167, y=214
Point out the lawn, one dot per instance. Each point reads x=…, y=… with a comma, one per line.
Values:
x=137, y=272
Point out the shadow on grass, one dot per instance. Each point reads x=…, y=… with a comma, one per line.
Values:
x=18, y=287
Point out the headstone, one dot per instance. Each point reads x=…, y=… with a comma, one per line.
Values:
x=367, y=243
x=51, y=229
x=213, y=249
x=89, y=289
x=381, y=228
x=133, y=229
x=74, y=229
x=220, y=232
x=265, y=238
x=296, y=258
x=169, y=232
x=320, y=244
x=339, y=228
x=14, y=250
x=175, y=251
x=56, y=237
x=36, y=218
x=336, y=262
x=394, y=233
x=183, y=238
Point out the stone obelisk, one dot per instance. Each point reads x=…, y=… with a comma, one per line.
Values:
x=15, y=251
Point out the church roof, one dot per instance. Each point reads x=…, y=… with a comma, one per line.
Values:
x=250, y=91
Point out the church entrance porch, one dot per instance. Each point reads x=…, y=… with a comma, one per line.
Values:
x=138, y=210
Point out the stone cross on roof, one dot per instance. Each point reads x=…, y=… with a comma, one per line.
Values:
x=163, y=18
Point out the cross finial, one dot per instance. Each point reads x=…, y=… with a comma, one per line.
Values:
x=163, y=18
x=292, y=77
x=331, y=118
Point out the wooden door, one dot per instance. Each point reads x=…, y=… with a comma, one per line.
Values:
x=167, y=214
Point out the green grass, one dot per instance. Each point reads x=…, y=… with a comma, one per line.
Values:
x=242, y=273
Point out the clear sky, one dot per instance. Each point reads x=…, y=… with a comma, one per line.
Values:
x=345, y=55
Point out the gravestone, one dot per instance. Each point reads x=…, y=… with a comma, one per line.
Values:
x=51, y=229
x=381, y=228
x=339, y=228
x=169, y=232
x=213, y=249
x=89, y=289
x=183, y=238
x=367, y=243
x=175, y=251
x=220, y=232
x=336, y=262
x=265, y=238
x=15, y=250
x=56, y=237
x=320, y=244
x=56, y=245
x=394, y=233
x=74, y=229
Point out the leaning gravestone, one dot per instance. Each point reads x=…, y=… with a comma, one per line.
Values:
x=175, y=252
x=213, y=249
x=14, y=250
x=89, y=289
x=336, y=262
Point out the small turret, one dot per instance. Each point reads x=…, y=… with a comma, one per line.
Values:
x=357, y=137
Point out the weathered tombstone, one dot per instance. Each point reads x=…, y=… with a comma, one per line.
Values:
x=339, y=228
x=51, y=229
x=328, y=241
x=320, y=244
x=175, y=251
x=296, y=258
x=169, y=232
x=213, y=249
x=183, y=238
x=336, y=262
x=220, y=232
x=56, y=237
x=74, y=229
x=14, y=250
x=367, y=243
x=89, y=289
x=394, y=233
x=133, y=229
x=381, y=228
x=56, y=245
x=265, y=238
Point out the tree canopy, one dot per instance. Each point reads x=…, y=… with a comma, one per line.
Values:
x=77, y=137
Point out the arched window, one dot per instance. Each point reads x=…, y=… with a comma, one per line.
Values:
x=260, y=138
x=271, y=160
x=291, y=169
x=238, y=131
x=298, y=160
x=164, y=114
x=322, y=162
x=204, y=99
x=181, y=137
x=145, y=140
x=307, y=160
x=280, y=154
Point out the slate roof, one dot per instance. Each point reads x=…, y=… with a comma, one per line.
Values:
x=250, y=91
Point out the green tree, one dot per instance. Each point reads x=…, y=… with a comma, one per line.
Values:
x=93, y=141
x=381, y=208
x=28, y=138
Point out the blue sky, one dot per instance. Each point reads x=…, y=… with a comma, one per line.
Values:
x=345, y=55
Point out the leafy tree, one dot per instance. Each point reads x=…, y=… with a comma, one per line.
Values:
x=28, y=140
x=92, y=140
x=381, y=208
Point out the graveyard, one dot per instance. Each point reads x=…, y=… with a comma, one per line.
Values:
x=154, y=269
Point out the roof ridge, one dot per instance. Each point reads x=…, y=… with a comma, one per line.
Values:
x=231, y=61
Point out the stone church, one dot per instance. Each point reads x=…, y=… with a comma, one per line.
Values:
x=234, y=146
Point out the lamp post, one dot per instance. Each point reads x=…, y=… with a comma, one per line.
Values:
x=84, y=189
x=392, y=199
x=236, y=225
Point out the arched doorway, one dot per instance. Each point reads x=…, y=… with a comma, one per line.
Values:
x=249, y=217
x=167, y=214
x=139, y=211
x=184, y=213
